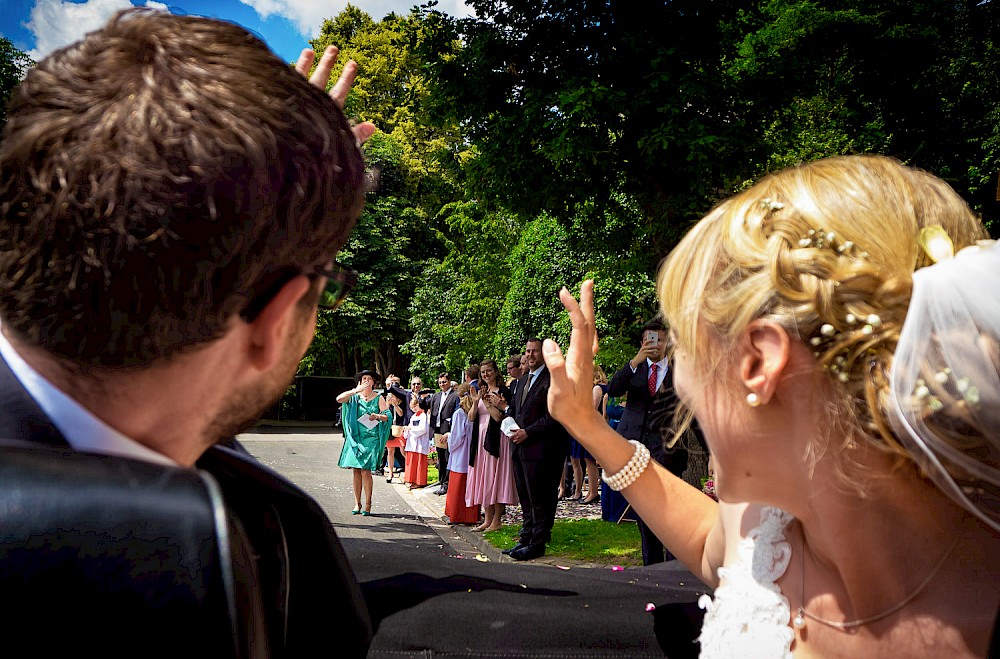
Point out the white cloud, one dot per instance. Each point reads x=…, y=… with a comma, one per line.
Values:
x=456, y=8
x=56, y=24
x=308, y=15
x=152, y=4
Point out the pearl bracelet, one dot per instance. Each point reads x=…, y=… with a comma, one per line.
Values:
x=631, y=471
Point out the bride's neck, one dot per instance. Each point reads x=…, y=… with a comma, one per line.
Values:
x=875, y=547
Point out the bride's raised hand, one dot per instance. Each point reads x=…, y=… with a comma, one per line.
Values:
x=572, y=377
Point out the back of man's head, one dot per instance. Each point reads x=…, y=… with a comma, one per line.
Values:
x=159, y=177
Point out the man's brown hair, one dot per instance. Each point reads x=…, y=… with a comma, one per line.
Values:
x=156, y=177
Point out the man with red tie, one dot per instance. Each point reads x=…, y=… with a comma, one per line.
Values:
x=648, y=381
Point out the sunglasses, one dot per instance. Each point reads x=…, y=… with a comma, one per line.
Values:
x=339, y=281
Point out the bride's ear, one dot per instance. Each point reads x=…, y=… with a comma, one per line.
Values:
x=765, y=354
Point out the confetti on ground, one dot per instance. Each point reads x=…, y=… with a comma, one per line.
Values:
x=650, y=607
x=482, y=558
x=617, y=568
x=562, y=567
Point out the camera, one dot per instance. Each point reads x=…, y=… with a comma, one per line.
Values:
x=652, y=337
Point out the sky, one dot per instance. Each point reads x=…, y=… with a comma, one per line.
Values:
x=40, y=26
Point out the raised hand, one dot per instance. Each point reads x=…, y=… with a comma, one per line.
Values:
x=340, y=89
x=649, y=350
x=572, y=377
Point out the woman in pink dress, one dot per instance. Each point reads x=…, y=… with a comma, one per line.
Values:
x=491, y=477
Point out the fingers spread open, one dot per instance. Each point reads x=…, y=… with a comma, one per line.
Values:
x=587, y=306
x=322, y=73
x=305, y=61
x=344, y=82
x=581, y=314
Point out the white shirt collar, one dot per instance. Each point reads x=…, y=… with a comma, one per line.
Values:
x=534, y=373
x=83, y=430
x=661, y=366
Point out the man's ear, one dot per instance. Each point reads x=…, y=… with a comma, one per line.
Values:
x=273, y=326
x=764, y=358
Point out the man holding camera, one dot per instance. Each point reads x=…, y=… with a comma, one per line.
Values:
x=648, y=382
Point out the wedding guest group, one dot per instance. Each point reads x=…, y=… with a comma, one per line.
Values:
x=367, y=423
x=837, y=337
x=172, y=199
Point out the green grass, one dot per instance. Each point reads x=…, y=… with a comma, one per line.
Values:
x=432, y=473
x=588, y=540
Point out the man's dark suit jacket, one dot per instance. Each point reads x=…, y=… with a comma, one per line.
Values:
x=648, y=418
x=547, y=439
x=300, y=598
x=450, y=403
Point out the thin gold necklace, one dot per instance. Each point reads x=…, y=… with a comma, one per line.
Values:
x=799, y=622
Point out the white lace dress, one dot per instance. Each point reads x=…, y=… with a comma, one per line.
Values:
x=749, y=615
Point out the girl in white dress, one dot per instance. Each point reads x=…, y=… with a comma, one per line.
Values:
x=859, y=513
x=418, y=445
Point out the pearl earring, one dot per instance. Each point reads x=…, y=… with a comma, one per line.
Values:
x=753, y=400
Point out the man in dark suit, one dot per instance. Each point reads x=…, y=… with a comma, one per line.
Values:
x=159, y=283
x=648, y=381
x=443, y=404
x=540, y=447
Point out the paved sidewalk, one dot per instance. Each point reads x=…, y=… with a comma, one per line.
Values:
x=429, y=596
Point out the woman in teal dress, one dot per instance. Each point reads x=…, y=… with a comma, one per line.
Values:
x=366, y=425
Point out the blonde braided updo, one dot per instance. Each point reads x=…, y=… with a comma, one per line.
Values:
x=827, y=250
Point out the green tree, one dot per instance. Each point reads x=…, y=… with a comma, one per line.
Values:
x=413, y=167
x=456, y=308
x=575, y=102
x=389, y=91
x=367, y=329
x=917, y=80
x=679, y=103
x=14, y=64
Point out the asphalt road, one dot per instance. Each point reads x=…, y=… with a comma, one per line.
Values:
x=439, y=591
